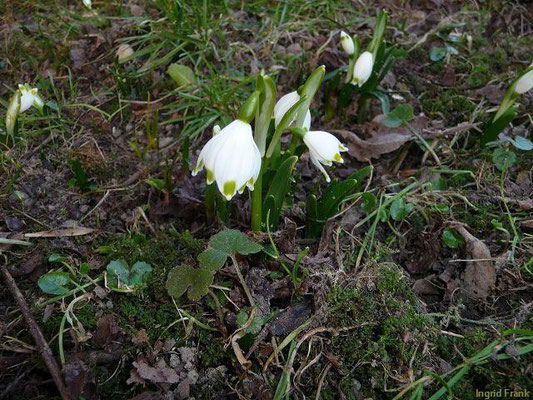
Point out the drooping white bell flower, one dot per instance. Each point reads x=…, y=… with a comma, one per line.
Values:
x=347, y=43
x=324, y=148
x=28, y=97
x=231, y=159
x=363, y=68
x=87, y=3
x=284, y=104
x=525, y=83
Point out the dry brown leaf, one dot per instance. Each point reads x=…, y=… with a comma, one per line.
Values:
x=480, y=273
x=161, y=373
x=384, y=140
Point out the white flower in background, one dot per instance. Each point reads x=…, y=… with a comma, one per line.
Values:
x=124, y=52
x=284, y=104
x=324, y=148
x=28, y=97
x=363, y=68
x=525, y=83
x=216, y=130
x=347, y=43
x=87, y=3
x=231, y=159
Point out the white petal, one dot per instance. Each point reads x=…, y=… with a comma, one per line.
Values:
x=324, y=145
x=307, y=120
x=319, y=166
x=237, y=157
x=525, y=83
x=27, y=98
x=283, y=105
x=363, y=68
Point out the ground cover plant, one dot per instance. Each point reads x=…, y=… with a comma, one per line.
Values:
x=266, y=199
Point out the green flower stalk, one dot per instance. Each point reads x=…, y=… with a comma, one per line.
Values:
x=521, y=85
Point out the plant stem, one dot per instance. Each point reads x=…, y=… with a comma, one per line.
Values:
x=243, y=282
x=257, y=201
x=210, y=193
x=364, y=108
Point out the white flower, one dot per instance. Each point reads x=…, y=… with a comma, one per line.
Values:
x=231, y=158
x=124, y=52
x=347, y=43
x=284, y=104
x=28, y=97
x=87, y=3
x=525, y=83
x=363, y=68
x=324, y=148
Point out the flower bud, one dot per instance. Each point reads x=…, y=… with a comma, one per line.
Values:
x=524, y=83
x=347, y=43
x=363, y=68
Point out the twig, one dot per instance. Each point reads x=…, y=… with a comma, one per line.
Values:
x=41, y=342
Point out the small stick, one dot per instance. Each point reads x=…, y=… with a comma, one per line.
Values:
x=41, y=342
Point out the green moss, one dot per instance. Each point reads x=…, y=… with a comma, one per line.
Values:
x=142, y=312
x=192, y=245
x=455, y=106
x=382, y=318
x=213, y=353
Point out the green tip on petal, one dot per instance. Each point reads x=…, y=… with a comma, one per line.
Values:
x=210, y=176
x=229, y=189
x=338, y=158
x=198, y=167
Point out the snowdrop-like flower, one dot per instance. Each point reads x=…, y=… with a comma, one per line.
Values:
x=28, y=97
x=88, y=3
x=525, y=83
x=363, y=68
x=324, y=148
x=347, y=43
x=231, y=159
x=284, y=104
x=22, y=100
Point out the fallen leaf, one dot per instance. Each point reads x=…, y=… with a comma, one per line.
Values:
x=140, y=338
x=384, y=140
x=161, y=373
x=493, y=93
x=106, y=328
x=290, y=319
x=79, y=380
x=480, y=273
x=424, y=286
x=53, y=233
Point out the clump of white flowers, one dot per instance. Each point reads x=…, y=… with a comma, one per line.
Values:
x=238, y=156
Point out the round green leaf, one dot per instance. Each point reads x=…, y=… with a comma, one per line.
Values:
x=182, y=74
x=54, y=282
x=452, y=239
x=399, y=209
